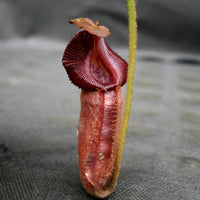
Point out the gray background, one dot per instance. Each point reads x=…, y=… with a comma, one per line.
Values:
x=39, y=108
x=172, y=23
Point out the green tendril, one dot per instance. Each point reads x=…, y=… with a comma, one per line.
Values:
x=130, y=77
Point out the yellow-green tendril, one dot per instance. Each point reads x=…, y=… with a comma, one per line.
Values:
x=129, y=90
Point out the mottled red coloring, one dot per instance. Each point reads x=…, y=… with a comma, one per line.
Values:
x=95, y=68
x=98, y=137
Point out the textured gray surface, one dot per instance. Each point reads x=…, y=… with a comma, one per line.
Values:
x=39, y=112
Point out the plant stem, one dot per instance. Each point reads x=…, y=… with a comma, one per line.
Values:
x=129, y=90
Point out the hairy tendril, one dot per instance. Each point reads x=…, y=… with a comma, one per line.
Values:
x=129, y=90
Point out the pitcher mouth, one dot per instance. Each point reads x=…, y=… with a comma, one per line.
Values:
x=91, y=64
